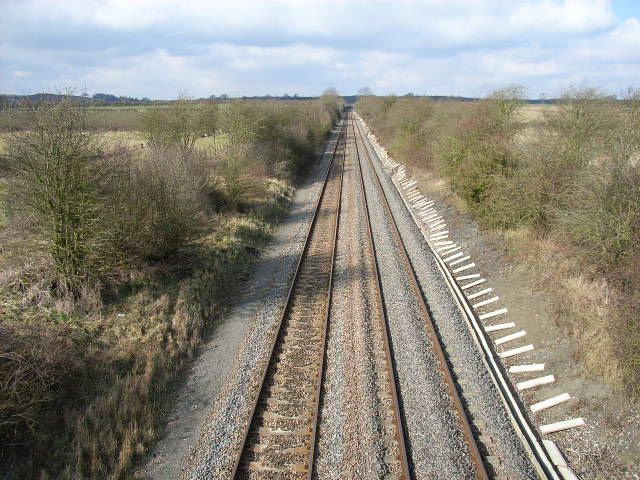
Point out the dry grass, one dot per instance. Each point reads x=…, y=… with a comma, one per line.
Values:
x=584, y=304
x=82, y=379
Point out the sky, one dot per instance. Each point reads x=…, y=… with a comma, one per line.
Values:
x=162, y=48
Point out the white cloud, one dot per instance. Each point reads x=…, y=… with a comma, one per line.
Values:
x=466, y=47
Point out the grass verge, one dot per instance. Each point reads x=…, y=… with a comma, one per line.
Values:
x=96, y=384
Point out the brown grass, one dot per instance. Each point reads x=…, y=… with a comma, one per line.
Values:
x=83, y=379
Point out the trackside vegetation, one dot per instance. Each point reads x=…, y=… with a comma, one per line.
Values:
x=562, y=183
x=116, y=259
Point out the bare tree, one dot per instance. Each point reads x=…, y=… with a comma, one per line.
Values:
x=180, y=124
x=365, y=92
x=332, y=101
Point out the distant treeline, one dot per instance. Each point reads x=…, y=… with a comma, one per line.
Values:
x=104, y=99
x=98, y=99
x=107, y=99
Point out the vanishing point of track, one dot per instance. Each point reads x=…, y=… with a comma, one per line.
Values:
x=280, y=438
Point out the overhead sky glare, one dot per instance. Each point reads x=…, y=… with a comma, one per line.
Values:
x=157, y=48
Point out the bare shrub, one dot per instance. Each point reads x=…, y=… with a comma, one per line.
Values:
x=603, y=214
x=59, y=175
x=177, y=125
x=332, y=102
x=479, y=153
x=580, y=127
x=240, y=176
x=159, y=202
x=280, y=139
x=243, y=120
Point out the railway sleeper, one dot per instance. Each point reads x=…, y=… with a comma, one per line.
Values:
x=301, y=468
x=283, y=366
x=276, y=389
x=299, y=418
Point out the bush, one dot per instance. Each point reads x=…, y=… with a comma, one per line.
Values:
x=479, y=156
x=177, y=125
x=332, y=102
x=603, y=212
x=240, y=176
x=281, y=139
x=59, y=177
x=159, y=202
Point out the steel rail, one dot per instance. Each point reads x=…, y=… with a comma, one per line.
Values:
x=287, y=304
x=327, y=313
x=474, y=452
x=400, y=433
x=540, y=459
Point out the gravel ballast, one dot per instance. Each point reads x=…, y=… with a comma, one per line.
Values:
x=498, y=439
x=435, y=442
x=356, y=429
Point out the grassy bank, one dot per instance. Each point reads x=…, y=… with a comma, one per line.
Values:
x=560, y=183
x=91, y=340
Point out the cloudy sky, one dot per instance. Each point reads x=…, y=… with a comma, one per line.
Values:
x=157, y=48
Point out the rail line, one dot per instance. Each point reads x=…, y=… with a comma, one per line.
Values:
x=280, y=439
x=280, y=436
x=387, y=377
x=470, y=441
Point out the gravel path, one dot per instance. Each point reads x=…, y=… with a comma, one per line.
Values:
x=356, y=429
x=220, y=436
x=498, y=439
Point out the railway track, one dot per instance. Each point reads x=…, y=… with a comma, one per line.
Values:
x=472, y=447
x=280, y=438
x=280, y=441
x=401, y=463
x=361, y=433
